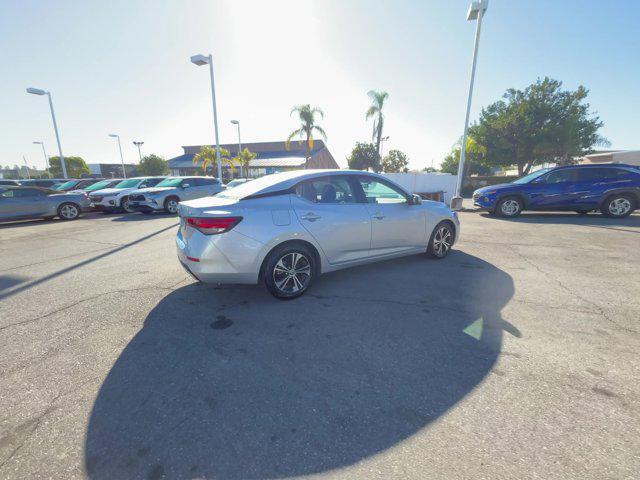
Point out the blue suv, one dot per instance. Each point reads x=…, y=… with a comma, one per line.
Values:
x=614, y=189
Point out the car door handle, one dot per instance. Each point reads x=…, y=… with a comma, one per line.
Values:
x=378, y=216
x=312, y=217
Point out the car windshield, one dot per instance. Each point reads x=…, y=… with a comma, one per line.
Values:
x=170, y=182
x=67, y=185
x=132, y=182
x=98, y=186
x=531, y=176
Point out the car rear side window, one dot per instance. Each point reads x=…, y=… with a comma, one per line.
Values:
x=330, y=190
x=203, y=181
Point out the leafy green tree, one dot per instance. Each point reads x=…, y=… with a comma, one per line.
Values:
x=375, y=111
x=153, y=165
x=76, y=167
x=395, y=161
x=307, y=116
x=364, y=156
x=243, y=159
x=475, y=155
x=207, y=156
x=429, y=170
x=541, y=124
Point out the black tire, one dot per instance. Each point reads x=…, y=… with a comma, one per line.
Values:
x=509, y=207
x=69, y=211
x=618, y=206
x=171, y=205
x=441, y=240
x=124, y=205
x=279, y=281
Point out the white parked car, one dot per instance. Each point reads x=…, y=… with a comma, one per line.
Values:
x=287, y=228
x=167, y=194
x=116, y=199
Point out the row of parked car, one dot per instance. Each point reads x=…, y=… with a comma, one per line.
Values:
x=67, y=199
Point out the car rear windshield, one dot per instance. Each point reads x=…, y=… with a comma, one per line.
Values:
x=98, y=186
x=170, y=182
x=531, y=176
x=250, y=188
x=132, y=182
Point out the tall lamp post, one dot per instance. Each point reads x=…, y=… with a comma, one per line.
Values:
x=44, y=152
x=124, y=173
x=477, y=9
x=236, y=122
x=208, y=60
x=139, y=144
x=37, y=91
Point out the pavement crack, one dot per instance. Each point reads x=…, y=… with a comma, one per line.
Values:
x=566, y=288
x=78, y=302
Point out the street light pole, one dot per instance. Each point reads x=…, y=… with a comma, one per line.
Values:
x=477, y=10
x=124, y=173
x=37, y=91
x=236, y=122
x=139, y=144
x=46, y=158
x=203, y=60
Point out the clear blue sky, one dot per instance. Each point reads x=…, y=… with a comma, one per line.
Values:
x=123, y=67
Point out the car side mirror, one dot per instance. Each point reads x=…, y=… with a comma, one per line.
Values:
x=415, y=200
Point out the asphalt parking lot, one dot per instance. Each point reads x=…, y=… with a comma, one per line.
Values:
x=515, y=357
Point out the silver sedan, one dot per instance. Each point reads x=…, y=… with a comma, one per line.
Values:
x=19, y=203
x=287, y=228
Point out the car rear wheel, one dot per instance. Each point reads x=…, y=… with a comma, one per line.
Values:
x=618, y=206
x=509, y=207
x=289, y=271
x=68, y=211
x=171, y=205
x=441, y=240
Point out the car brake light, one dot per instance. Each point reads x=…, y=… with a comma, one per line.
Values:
x=213, y=225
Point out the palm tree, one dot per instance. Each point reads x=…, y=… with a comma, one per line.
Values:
x=307, y=117
x=375, y=110
x=243, y=159
x=207, y=155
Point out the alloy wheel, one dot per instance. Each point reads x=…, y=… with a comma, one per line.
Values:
x=442, y=241
x=172, y=206
x=510, y=207
x=69, y=212
x=619, y=206
x=292, y=273
x=125, y=205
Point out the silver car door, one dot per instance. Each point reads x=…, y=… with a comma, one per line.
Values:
x=329, y=210
x=396, y=225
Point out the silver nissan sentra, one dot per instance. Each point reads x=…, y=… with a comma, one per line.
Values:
x=287, y=228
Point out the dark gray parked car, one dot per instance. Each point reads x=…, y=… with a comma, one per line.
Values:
x=19, y=203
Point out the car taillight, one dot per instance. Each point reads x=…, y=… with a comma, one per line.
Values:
x=213, y=225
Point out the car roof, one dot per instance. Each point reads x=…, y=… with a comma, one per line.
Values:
x=597, y=165
x=276, y=182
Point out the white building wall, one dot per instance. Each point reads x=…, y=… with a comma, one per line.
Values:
x=426, y=183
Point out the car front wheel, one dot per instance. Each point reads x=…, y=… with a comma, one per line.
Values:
x=618, y=206
x=124, y=204
x=441, y=240
x=509, y=207
x=171, y=205
x=68, y=211
x=289, y=271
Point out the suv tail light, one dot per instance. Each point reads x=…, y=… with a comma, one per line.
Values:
x=213, y=225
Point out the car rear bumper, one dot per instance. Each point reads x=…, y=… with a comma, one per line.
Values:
x=226, y=258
